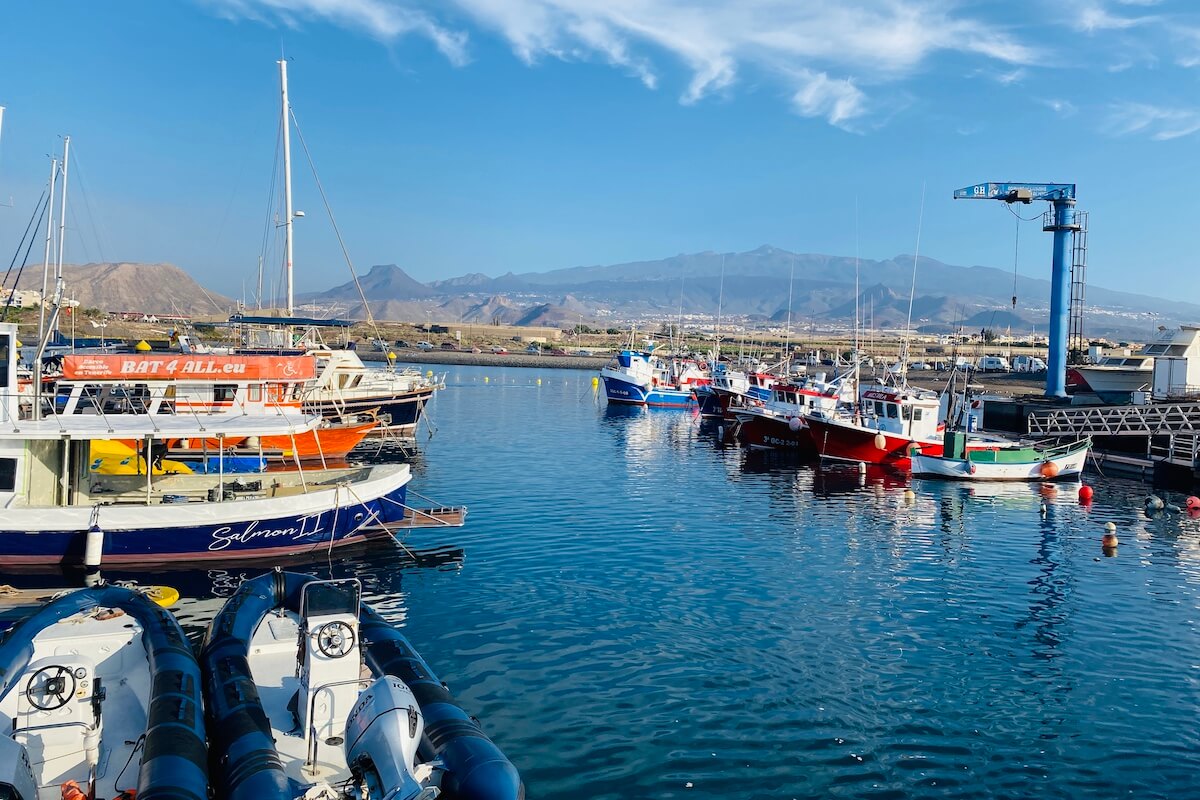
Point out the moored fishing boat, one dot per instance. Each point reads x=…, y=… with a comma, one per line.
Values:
x=56, y=509
x=308, y=690
x=1001, y=462
x=780, y=422
x=100, y=692
x=640, y=377
x=888, y=421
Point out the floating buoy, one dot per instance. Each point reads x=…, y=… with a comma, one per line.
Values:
x=1110, y=538
x=539, y=381
x=794, y=424
x=142, y=347
x=595, y=382
x=1154, y=503
x=909, y=495
x=1111, y=527
x=1192, y=503
x=391, y=356
x=428, y=373
x=880, y=441
x=486, y=379
x=1049, y=469
x=1085, y=494
x=862, y=468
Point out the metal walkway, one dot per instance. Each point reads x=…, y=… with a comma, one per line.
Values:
x=1151, y=420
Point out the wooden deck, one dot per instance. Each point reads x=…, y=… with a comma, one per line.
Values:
x=439, y=517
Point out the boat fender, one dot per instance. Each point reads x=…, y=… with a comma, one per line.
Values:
x=1049, y=469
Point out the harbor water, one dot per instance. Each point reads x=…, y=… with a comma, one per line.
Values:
x=635, y=610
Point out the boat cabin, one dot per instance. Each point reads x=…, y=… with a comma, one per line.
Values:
x=1176, y=362
x=903, y=411
x=165, y=383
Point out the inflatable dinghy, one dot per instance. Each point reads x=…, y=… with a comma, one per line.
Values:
x=100, y=695
x=309, y=692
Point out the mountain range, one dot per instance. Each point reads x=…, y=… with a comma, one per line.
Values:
x=754, y=285
x=123, y=286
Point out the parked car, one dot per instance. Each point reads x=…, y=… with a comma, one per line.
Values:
x=558, y=351
x=476, y=350
x=500, y=350
x=919, y=365
x=402, y=343
x=583, y=352
x=449, y=346
x=533, y=350
x=426, y=346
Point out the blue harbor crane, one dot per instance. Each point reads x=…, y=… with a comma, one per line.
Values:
x=1066, y=278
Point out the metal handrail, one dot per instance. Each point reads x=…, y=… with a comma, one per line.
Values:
x=311, y=740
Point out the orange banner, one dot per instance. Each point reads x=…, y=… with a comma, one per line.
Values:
x=194, y=368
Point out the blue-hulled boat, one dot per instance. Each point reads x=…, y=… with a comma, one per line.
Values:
x=642, y=378
x=309, y=690
x=100, y=694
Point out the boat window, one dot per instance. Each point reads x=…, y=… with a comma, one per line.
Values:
x=917, y=414
x=224, y=392
x=5, y=345
x=879, y=408
x=891, y=410
x=8, y=474
x=906, y=412
x=254, y=393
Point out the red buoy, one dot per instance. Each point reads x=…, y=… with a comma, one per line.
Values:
x=1085, y=494
x=1193, y=503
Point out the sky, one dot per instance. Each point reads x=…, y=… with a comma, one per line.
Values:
x=459, y=136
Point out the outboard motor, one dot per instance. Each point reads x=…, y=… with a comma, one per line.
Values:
x=16, y=773
x=382, y=736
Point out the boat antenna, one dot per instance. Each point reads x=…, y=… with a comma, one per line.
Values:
x=720, y=302
x=787, y=333
x=912, y=292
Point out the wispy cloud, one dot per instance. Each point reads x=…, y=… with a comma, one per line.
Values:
x=827, y=56
x=1092, y=16
x=383, y=20
x=1157, y=122
x=1064, y=108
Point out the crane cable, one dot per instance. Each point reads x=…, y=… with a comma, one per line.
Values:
x=1016, y=247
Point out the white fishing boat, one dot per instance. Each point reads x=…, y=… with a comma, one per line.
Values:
x=1002, y=461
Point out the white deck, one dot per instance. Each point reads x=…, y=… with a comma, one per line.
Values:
x=112, y=650
x=157, y=426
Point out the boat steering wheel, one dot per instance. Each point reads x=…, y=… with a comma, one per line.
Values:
x=335, y=639
x=50, y=687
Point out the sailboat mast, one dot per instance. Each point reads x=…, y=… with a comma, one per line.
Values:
x=49, y=245
x=62, y=228
x=287, y=185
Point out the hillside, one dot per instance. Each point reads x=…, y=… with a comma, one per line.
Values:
x=147, y=288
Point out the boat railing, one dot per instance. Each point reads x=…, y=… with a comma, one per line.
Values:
x=311, y=740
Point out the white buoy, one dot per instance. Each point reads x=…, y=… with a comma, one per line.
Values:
x=881, y=441
x=93, y=550
x=862, y=468
x=794, y=424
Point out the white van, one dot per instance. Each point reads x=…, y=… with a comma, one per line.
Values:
x=1028, y=364
x=994, y=364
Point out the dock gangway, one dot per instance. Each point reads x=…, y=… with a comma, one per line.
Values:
x=1157, y=419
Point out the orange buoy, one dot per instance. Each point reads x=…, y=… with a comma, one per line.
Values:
x=1109, y=540
x=1085, y=494
x=71, y=791
x=1192, y=503
x=1049, y=469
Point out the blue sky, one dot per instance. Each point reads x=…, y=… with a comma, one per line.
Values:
x=495, y=135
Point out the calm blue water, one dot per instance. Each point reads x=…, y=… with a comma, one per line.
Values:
x=639, y=612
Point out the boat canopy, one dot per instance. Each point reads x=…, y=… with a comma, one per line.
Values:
x=299, y=322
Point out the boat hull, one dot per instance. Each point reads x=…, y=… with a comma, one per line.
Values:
x=214, y=531
x=845, y=441
x=1066, y=467
x=622, y=391
x=774, y=433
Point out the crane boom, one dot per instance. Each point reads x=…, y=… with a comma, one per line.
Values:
x=1063, y=222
